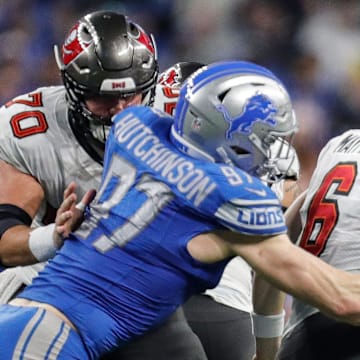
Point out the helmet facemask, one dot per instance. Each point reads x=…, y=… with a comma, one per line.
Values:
x=270, y=157
x=283, y=162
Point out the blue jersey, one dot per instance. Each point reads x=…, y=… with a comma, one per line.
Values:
x=127, y=267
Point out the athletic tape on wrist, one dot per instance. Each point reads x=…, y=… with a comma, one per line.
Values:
x=41, y=242
x=268, y=326
x=80, y=206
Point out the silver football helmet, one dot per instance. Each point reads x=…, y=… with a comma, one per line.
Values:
x=232, y=112
x=106, y=54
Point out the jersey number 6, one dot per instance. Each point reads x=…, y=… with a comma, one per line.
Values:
x=323, y=211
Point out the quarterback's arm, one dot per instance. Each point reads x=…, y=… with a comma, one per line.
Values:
x=268, y=318
x=24, y=195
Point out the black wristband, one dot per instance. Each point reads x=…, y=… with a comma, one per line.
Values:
x=12, y=215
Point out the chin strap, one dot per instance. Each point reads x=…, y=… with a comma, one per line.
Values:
x=80, y=127
x=224, y=155
x=99, y=132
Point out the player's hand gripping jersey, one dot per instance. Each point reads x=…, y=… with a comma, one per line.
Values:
x=147, y=184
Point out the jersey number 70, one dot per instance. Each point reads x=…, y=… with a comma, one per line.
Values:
x=36, y=117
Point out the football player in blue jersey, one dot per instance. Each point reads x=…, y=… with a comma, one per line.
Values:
x=221, y=317
x=164, y=229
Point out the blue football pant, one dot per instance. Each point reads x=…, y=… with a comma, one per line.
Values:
x=37, y=334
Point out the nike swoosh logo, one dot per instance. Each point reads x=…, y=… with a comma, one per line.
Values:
x=261, y=192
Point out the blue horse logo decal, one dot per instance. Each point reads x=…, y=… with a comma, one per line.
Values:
x=258, y=108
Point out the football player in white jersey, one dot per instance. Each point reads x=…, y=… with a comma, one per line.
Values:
x=330, y=230
x=221, y=317
x=55, y=135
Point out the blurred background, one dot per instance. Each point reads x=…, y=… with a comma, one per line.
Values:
x=312, y=45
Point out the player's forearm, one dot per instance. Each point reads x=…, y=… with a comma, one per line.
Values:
x=268, y=318
x=21, y=245
x=267, y=299
x=267, y=349
x=14, y=247
x=306, y=277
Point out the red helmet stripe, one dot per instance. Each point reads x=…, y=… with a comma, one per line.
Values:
x=144, y=39
x=73, y=46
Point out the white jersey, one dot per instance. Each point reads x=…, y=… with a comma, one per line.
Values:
x=36, y=138
x=330, y=215
x=235, y=286
x=166, y=98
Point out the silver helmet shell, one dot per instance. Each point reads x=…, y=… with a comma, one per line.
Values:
x=231, y=112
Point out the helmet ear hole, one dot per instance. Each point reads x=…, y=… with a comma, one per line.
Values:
x=221, y=96
x=86, y=34
x=239, y=151
x=133, y=29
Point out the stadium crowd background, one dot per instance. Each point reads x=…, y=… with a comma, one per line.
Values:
x=312, y=45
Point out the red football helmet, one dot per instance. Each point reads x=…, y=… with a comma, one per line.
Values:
x=169, y=83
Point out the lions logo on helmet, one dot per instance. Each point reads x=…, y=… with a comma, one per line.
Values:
x=257, y=108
